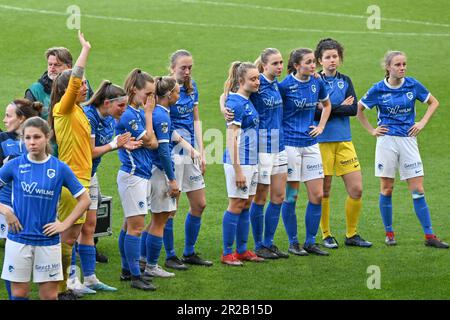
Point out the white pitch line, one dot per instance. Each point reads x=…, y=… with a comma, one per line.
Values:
x=225, y=26
x=320, y=13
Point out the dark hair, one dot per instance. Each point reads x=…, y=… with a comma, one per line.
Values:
x=296, y=57
x=59, y=87
x=329, y=44
x=41, y=124
x=264, y=58
x=106, y=91
x=26, y=108
x=187, y=84
x=388, y=59
x=136, y=79
x=61, y=53
x=165, y=85
x=237, y=72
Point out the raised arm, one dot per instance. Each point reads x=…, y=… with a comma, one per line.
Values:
x=69, y=98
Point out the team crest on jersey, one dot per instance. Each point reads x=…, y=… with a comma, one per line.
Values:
x=410, y=95
x=164, y=127
x=3, y=228
x=192, y=95
x=51, y=173
x=341, y=85
x=313, y=88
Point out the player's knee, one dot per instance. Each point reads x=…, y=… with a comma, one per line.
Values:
x=198, y=208
x=387, y=190
x=316, y=197
x=326, y=193
x=355, y=192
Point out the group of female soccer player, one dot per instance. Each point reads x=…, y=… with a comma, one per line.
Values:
x=278, y=135
x=298, y=130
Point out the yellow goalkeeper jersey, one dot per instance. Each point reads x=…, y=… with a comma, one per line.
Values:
x=73, y=133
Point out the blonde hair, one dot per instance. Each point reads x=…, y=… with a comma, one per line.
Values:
x=264, y=58
x=237, y=72
x=388, y=59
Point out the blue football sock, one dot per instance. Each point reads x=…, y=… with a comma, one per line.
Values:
x=132, y=252
x=257, y=220
x=271, y=223
x=290, y=221
x=144, y=235
x=191, y=230
x=229, y=227
x=154, y=245
x=242, y=230
x=385, y=204
x=168, y=239
x=87, y=257
x=422, y=212
x=123, y=256
x=312, y=221
x=8, y=289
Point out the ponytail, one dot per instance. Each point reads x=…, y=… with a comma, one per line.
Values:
x=136, y=79
x=106, y=91
x=27, y=109
x=296, y=57
x=164, y=86
x=264, y=58
x=388, y=59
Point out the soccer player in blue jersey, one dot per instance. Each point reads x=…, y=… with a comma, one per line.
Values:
x=240, y=161
x=301, y=93
x=33, y=246
x=272, y=164
x=12, y=146
x=397, y=148
x=336, y=147
x=135, y=172
x=164, y=186
x=185, y=120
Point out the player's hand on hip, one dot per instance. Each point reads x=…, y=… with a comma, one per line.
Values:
x=13, y=223
x=50, y=229
x=379, y=131
x=315, y=131
x=415, y=129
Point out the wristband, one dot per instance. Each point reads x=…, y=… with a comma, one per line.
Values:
x=113, y=143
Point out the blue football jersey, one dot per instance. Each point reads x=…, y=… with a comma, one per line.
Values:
x=36, y=191
x=300, y=100
x=10, y=147
x=182, y=114
x=269, y=104
x=137, y=162
x=246, y=117
x=339, y=88
x=163, y=131
x=102, y=130
x=396, y=105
